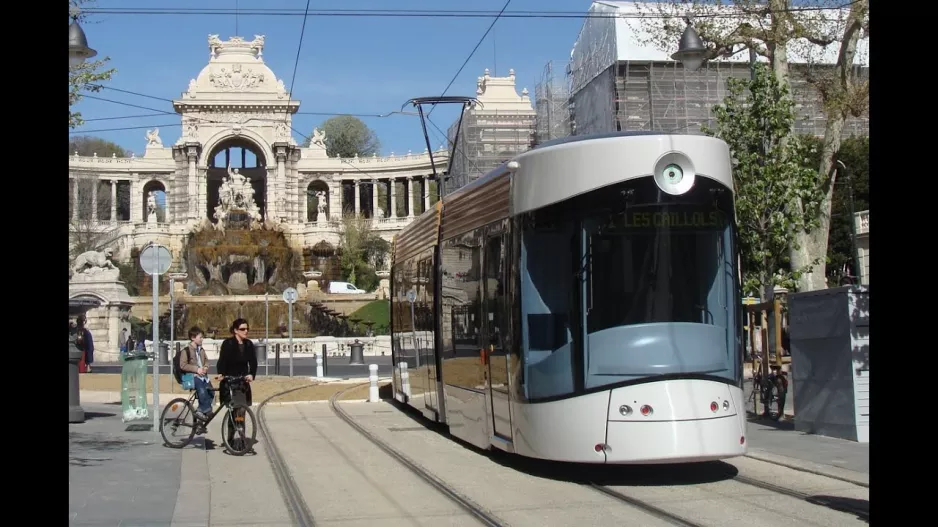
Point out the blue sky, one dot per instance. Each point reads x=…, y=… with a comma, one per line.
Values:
x=347, y=64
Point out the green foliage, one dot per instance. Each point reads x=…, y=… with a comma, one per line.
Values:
x=770, y=175
x=378, y=312
x=361, y=251
x=88, y=146
x=128, y=275
x=84, y=77
x=347, y=136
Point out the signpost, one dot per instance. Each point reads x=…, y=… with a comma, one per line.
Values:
x=289, y=296
x=267, y=332
x=412, y=297
x=156, y=260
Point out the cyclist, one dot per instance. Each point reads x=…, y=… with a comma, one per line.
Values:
x=195, y=361
x=237, y=358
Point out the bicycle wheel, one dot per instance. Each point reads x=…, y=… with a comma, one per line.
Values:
x=772, y=410
x=239, y=425
x=174, y=419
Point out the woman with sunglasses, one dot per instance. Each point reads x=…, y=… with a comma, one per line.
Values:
x=237, y=358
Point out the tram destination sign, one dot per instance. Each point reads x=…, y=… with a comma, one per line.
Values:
x=682, y=218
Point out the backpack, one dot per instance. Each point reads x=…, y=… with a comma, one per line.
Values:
x=177, y=373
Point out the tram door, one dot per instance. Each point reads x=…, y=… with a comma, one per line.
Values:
x=495, y=311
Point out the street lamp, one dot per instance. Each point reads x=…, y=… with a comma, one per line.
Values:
x=690, y=51
x=78, y=50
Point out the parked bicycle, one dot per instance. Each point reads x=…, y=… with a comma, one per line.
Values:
x=772, y=389
x=179, y=414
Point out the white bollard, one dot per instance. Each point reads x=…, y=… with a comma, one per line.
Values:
x=373, y=386
x=319, y=366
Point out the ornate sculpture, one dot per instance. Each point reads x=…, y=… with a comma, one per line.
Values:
x=321, y=205
x=153, y=137
x=236, y=194
x=151, y=207
x=235, y=79
x=319, y=137
x=93, y=261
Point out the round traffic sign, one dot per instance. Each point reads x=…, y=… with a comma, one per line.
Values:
x=290, y=295
x=411, y=296
x=155, y=259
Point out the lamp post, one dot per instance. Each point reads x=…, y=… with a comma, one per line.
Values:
x=691, y=51
x=78, y=50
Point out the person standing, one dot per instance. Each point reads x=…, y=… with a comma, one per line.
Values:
x=236, y=357
x=85, y=343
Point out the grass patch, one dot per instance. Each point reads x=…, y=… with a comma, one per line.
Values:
x=379, y=312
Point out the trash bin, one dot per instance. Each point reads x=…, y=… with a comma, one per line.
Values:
x=134, y=386
x=260, y=350
x=357, y=356
x=164, y=354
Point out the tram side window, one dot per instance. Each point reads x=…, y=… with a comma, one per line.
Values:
x=546, y=310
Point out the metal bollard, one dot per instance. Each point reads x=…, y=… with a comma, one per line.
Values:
x=76, y=414
x=319, y=366
x=373, y=386
x=325, y=361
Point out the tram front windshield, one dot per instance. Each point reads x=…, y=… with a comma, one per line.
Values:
x=653, y=290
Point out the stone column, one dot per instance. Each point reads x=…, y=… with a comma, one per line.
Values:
x=357, y=197
x=426, y=192
x=113, y=201
x=136, y=212
x=281, y=177
x=393, y=207
x=409, y=192
x=374, y=198
x=94, y=199
x=192, y=188
x=75, y=198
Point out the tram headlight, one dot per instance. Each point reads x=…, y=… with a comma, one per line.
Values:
x=625, y=410
x=674, y=173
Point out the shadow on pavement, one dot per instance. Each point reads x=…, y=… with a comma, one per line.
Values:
x=584, y=473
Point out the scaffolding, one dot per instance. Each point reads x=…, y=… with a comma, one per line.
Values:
x=664, y=97
x=488, y=139
x=620, y=82
x=552, y=105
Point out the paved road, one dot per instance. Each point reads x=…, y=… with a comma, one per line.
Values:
x=337, y=367
x=118, y=476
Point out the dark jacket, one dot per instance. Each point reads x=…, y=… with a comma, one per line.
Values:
x=232, y=362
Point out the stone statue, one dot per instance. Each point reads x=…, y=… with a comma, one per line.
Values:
x=153, y=137
x=319, y=137
x=321, y=206
x=235, y=194
x=93, y=261
x=151, y=207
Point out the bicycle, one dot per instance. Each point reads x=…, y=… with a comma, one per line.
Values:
x=773, y=391
x=236, y=419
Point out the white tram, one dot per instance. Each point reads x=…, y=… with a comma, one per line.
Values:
x=580, y=303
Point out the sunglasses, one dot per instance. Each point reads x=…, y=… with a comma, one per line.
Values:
x=242, y=329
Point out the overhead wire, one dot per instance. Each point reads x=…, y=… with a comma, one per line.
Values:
x=424, y=13
x=473, y=52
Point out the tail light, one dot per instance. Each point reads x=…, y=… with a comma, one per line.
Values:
x=647, y=410
x=714, y=406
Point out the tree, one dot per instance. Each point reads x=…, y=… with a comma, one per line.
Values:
x=769, y=28
x=776, y=194
x=86, y=76
x=347, y=136
x=86, y=145
x=362, y=251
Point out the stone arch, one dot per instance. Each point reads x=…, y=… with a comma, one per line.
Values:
x=242, y=153
x=158, y=188
x=312, y=200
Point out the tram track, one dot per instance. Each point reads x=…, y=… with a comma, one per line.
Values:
x=821, y=501
x=644, y=506
x=475, y=510
x=292, y=496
